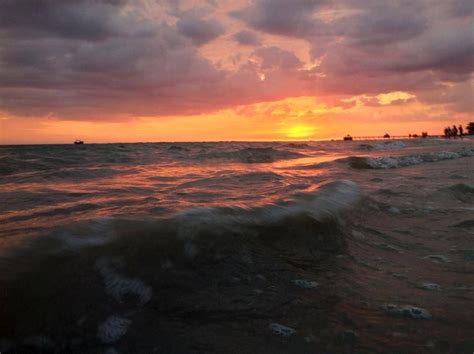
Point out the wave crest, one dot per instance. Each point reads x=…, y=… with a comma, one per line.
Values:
x=307, y=226
x=386, y=162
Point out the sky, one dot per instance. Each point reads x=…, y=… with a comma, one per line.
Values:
x=211, y=70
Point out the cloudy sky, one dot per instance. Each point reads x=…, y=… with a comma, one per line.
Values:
x=151, y=70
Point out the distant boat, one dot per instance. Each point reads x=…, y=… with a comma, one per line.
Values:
x=78, y=142
x=348, y=138
x=386, y=136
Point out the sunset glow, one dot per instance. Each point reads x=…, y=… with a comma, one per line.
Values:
x=238, y=70
x=236, y=176
x=300, y=131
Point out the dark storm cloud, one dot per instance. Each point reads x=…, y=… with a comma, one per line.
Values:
x=160, y=73
x=289, y=18
x=87, y=59
x=381, y=23
x=444, y=49
x=245, y=37
x=406, y=35
x=152, y=74
x=75, y=19
x=198, y=30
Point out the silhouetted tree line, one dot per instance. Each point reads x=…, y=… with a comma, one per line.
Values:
x=454, y=132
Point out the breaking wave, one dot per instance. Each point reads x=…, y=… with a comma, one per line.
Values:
x=123, y=268
x=386, y=162
x=307, y=224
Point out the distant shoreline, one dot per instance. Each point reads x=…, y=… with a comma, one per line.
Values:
x=470, y=137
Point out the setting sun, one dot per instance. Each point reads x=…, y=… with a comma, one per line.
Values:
x=300, y=131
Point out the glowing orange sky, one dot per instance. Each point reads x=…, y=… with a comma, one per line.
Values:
x=200, y=70
x=289, y=119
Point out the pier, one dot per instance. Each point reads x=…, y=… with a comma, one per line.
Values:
x=392, y=137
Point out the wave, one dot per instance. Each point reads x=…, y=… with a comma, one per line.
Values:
x=241, y=178
x=254, y=155
x=297, y=145
x=96, y=281
x=205, y=232
x=388, y=145
x=54, y=157
x=177, y=148
x=461, y=191
x=44, y=168
x=386, y=162
x=10, y=165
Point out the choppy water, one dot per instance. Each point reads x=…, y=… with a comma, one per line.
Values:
x=142, y=206
x=47, y=186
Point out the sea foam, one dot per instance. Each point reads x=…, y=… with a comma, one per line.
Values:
x=113, y=328
x=386, y=162
x=119, y=286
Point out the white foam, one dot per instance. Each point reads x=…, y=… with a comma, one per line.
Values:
x=119, y=286
x=438, y=258
x=282, y=330
x=94, y=233
x=407, y=311
x=113, y=328
x=386, y=162
x=430, y=286
x=306, y=284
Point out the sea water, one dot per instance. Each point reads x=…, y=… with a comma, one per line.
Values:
x=105, y=230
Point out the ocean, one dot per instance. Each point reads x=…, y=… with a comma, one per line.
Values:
x=238, y=247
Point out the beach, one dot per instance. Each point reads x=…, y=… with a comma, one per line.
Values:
x=238, y=247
